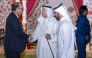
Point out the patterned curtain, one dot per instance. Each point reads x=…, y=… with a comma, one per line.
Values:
x=77, y=4
x=31, y=4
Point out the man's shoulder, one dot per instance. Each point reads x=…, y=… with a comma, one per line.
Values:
x=9, y=16
x=12, y=14
x=65, y=24
x=81, y=16
x=53, y=20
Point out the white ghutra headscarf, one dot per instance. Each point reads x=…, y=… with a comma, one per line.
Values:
x=49, y=13
x=61, y=9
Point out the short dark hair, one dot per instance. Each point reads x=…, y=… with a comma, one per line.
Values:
x=14, y=6
x=82, y=9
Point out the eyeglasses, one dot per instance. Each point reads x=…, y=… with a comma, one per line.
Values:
x=20, y=8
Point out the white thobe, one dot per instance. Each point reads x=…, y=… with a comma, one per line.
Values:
x=48, y=26
x=65, y=40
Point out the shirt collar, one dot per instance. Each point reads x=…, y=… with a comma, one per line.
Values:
x=15, y=14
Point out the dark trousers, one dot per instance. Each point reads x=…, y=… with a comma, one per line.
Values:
x=81, y=49
x=12, y=54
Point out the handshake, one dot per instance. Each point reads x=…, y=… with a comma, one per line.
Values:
x=47, y=36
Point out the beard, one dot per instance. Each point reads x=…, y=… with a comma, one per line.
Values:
x=57, y=18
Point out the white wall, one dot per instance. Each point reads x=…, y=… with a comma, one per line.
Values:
x=67, y=3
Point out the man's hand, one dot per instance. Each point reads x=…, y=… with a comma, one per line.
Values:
x=47, y=36
x=86, y=37
x=75, y=30
x=29, y=39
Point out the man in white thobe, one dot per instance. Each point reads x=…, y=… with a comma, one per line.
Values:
x=46, y=28
x=65, y=33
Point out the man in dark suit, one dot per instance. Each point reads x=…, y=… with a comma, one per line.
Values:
x=83, y=31
x=15, y=38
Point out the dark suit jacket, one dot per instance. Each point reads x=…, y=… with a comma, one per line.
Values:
x=83, y=29
x=15, y=38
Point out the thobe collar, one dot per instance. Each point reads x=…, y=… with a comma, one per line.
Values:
x=16, y=14
x=62, y=19
x=83, y=15
x=46, y=19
